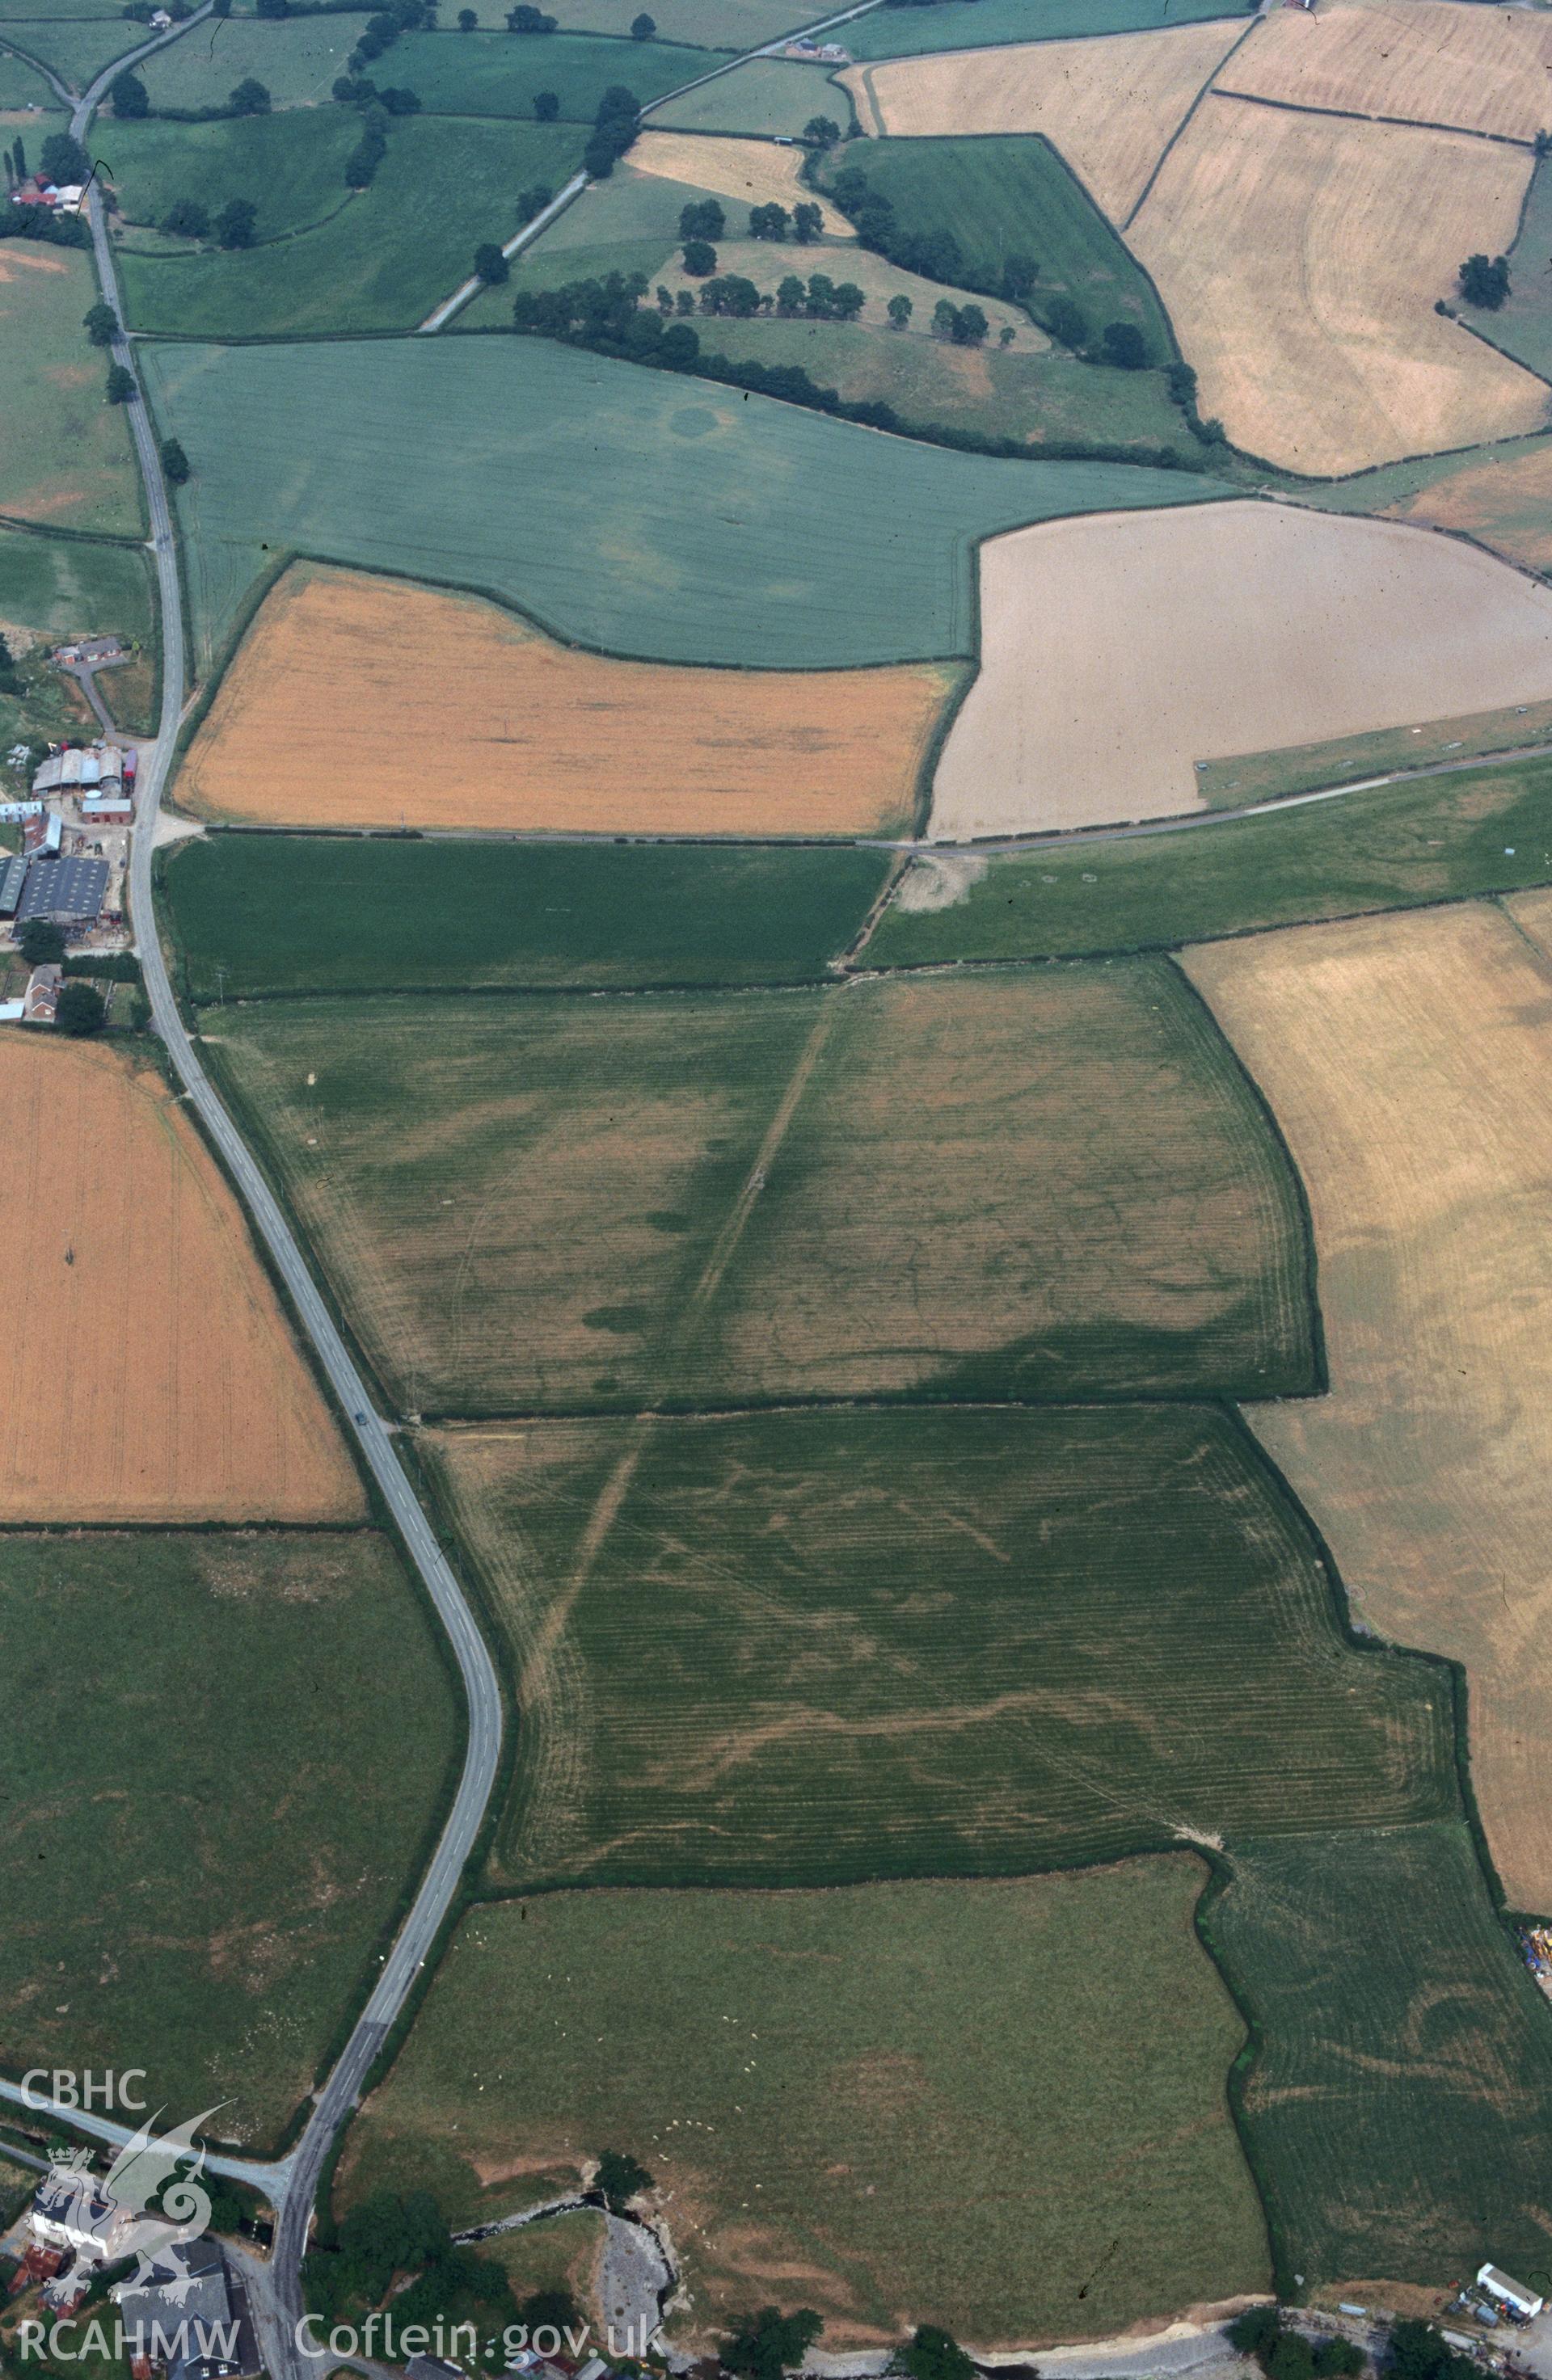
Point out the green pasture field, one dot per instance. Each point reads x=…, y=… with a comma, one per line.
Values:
x=957, y=25
x=1047, y=1183
x=997, y=2106
x=384, y=262
x=563, y=2253
x=1262, y=776
x=78, y=48
x=1007, y=194
x=293, y=913
x=66, y=456
x=624, y=508
x=1447, y=838
x=1398, y=2109
x=1036, y=397
x=626, y=225
x=732, y=25
x=513, y=1200
x=1035, y=1185
x=23, y=87
x=183, y=1894
x=295, y=58
x=292, y=165
x=818, y=1648
x=54, y=587
x=497, y=74
x=765, y=96
x=1521, y=326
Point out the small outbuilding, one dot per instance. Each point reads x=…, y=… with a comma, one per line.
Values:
x=1520, y=2301
x=13, y=876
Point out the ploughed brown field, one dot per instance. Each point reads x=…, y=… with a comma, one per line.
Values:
x=1119, y=650
x=364, y=701
x=1301, y=258
x=1109, y=105
x=1409, y=1061
x=1430, y=61
x=1505, y=500
x=146, y=1370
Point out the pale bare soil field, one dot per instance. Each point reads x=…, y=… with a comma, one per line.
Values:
x=1119, y=650
x=1506, y=501
x=362, y=701
x=1409, y=1062
x=1301, y=257
x=751, y=173
x=1109, y=105
x=146, y=1371
x=1432, y=60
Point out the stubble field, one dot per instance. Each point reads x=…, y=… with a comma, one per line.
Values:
x=1407, y=1062
x=1171, y=639
x=745, y=173
x=1503, y=500
x=357, y=701
x=1109, y=105
x=147, y=1372
x=1035, y=1185
x=1430, y=61
x=1000, y=2106
x=225, y=1753
x=818, y=1648
x=1301, y=258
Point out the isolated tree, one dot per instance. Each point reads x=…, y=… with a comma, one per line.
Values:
x=489, y=263
x=1007, y=335
x=770, y=2343
x=1254, y=2331
x=188, y=217
x=19, y=154
x=945, y=315
x=129, y=96
x=63, y=160
x=933, y=2354
x=81, y=1009
x=703, y=219
x=808, y=221
x=174, y=462
x=524, y=18
x=822, y=130
x=250, y=98
x=1066, y=321
x=899, y=310
x=1485, y=281
x=546, y=107
x=534, y=202
x=467, y=21
x=1339, y=2358
x=644, y=27
x=122, y=385
x=101, y=324
x=700, y=257
x=237, y=225
x=768, y=222
x=621, y=2179
x=847, y=301
x=42, y=942
x=1122, y=344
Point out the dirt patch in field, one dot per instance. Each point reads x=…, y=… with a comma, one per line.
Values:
x=16, y=260
x=751, y=173
x=1432, y=60
x=146, y=1372
x=1409, y=1061
x=1109, y=105
x=1116, y=651
x=1506, y=501
x=939, y=883
x=367, y=701
x=1301, y=257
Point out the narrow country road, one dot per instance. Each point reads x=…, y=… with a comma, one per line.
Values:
x=292, y=2183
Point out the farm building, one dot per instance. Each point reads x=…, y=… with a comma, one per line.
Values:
x=73, y=2213
x=66, y=892
x=85, y=769
x=13, y=876
x=182, y=2318
x=1520, y=2301
x=42, y=837
x=110, y=808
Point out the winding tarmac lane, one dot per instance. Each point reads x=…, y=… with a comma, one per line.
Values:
x=294, y=2180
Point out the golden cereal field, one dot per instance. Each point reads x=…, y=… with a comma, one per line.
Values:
x=146, y=1370
x=1432, y=60
x=751, y=173
x=1109, y=105
x=1118, y=650
x=1301, y=257
x=366, y=701
x=1409, y=1061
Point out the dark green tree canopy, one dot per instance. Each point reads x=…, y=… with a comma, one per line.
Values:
x=250, y=98
x=81, y=1009
x=129, y=96
x=770, y=2343
x=620, y=2178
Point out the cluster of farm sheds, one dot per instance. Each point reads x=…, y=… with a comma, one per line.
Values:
x=61, y=876
x=182, y=2310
